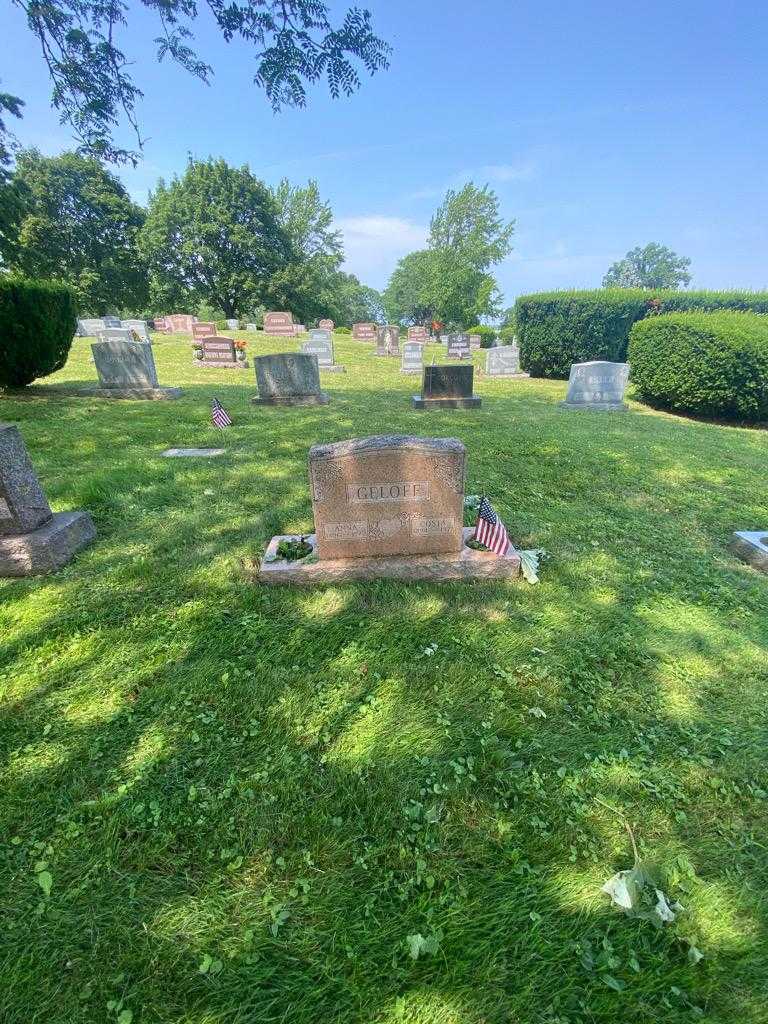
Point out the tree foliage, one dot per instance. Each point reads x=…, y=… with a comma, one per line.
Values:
x=410, y=295
x=654, y=266
x=78, y=225
x=294, y=44
x=214, y=235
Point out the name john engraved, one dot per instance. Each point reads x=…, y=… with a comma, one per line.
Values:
x=406, y=490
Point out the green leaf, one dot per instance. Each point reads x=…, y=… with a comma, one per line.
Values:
x=45, y=881
x=615, y=983
x=125, y=1017
x=205, y=964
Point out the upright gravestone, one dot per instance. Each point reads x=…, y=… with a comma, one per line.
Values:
x=220, y=352
x=413, y=357
x=251, y=327
x=233, y=325
x=503, y=361
x=418, y=333
x=458, y=346
x=33, y=539
x=291, y=378
x=320, y=344
x=161, y=325
x=388, y=341
x=139, y=327
x=126, y=369
x=326, y=325
x=475, y=342
x=179, y=323
x=112, y=321
x=598, y=385
x=364, y=332
x=116, y=334
x=299, y=329
x=203, y=329
x=388, y=506
x=447, y=387
x=90, y=327
x=280, y=325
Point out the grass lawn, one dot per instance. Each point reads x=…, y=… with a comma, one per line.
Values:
x=246, y=802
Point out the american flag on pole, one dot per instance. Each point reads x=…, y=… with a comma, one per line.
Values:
x=489, y=529
x=219, y=415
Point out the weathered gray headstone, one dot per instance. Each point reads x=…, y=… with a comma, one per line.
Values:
x=90, y=327
x=233, y=325
x=33, y=540
x=751, y=546
x=112, y=321
x=126, y=369
x=251, y=327
x=139, y=327
x=192, y=453
x=475, y=342
x=413, y=357
x=447, y=387
x=458, y=346
x=290, y=378
x=320, y=344
x=598, y=385
x=116, y=334
x=503, y=361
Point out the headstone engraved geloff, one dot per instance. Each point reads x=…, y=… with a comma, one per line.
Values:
x=388, y=506
x=33, y=540
x=598, y=385
x=447, y=387
x=288, y=378
x=126, y=369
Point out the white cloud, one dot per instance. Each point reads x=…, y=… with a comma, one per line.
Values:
x=523, y=170
x=374, y=243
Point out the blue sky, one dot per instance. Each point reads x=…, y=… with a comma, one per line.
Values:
x=601, y=126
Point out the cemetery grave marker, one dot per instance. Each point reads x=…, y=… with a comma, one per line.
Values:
x=447, y=387
x=251, y=327
x=115, y=334
x=418, y=333
x=290, y=378
x=475, y=342
x=390, y=506
x=90, y=328
x=364, y=332
x=233, y=325
x=503, y=361
x=33, y=539
x=179, y=323
x=320, y=344
x=203, y=329
x=126, y=369
x=112, y=321
x=598, y=385
x=388, y=341
x=326, y=325
x=413, y=357
x=192, y=453
x=458, y=346
x=140, y=327
x=279, y=324
x=221, y=352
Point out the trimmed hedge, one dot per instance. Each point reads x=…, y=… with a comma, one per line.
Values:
x=487, y=334
x=38, y=320
x=556, y=329
x=711, y=364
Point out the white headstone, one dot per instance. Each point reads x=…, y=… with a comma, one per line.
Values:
x=598, y=385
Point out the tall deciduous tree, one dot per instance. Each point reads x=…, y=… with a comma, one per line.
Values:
x=654, y=266
x=411, y=293
x=294, y=44
x=78, y=225
x=213, y=235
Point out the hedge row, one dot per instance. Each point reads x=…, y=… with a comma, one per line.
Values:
x=556, y=329
x=37, y=324
x=711, y=364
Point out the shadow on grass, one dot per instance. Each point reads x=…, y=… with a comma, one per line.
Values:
x=287, y=782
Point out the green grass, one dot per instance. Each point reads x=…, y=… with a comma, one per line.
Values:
x=280, y=786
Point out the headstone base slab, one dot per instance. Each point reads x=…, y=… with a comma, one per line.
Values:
x=417, y=402
x=192, y=453
x=227, y=366
x=321, y=399
x=751, y=546
x=467, y=564
x=47, y=548
x=595, y=406
x=335, y=368
x=152, y=394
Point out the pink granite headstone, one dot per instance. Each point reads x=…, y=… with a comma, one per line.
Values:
x=280, y=325
x=326, y=325
x=364, y=332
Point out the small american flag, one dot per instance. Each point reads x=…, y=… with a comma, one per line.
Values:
x=219, y=415
x=489, y=529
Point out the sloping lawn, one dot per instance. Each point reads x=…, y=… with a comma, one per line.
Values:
x=223, y=804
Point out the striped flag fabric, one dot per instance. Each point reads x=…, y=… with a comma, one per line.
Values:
x=219, y=415
x=489, y=529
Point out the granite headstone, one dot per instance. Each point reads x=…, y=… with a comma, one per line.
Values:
x=447, y=387
x=598, y=385
x=290, y=378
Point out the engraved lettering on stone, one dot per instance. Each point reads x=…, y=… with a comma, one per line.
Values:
x=406, y=490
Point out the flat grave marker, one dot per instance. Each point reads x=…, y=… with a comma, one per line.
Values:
x=192, y=453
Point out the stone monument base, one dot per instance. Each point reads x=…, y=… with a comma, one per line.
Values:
x=473, y=402
x=336, y=368
x=467, y=564
x=595, y=406
x=153, y=394
x=226, y=365
x=319, y=399
x=751, y=546
x=48, y=547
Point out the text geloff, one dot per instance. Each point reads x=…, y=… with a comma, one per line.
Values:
x=406, y=490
